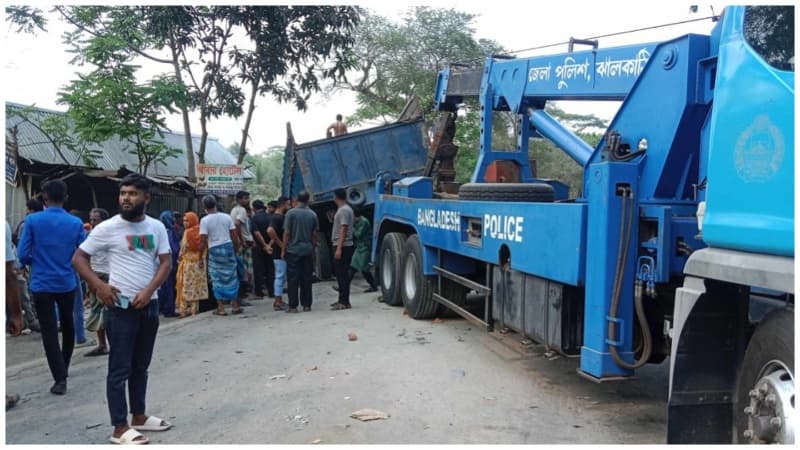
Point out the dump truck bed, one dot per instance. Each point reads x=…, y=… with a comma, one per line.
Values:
x=353, y=160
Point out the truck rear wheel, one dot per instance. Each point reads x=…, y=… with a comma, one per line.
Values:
x=764, y=404
x=417, y=288
x=390, y=266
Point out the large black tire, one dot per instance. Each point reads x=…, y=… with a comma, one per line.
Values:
x=507, y=192
x=416, y=288
x=773, y=340
x=390, y=267
x=356, y=197
x=323, y=263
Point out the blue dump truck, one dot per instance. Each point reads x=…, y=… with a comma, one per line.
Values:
x=681, y=245
x=351, y=161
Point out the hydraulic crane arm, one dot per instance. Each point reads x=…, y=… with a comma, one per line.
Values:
x=598, y=74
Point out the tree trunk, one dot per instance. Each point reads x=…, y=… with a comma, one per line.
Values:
x=187, y=132
x=246, y=129
x=201, y=152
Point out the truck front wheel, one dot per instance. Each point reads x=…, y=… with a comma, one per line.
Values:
x=390, y=262
x=417, y=288
x=764, y=407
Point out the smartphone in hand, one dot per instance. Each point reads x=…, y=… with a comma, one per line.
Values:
x=123, y=302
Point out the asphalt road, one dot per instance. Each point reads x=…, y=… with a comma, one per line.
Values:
x=268, y=377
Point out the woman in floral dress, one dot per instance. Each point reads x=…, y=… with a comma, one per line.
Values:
x=192, y=280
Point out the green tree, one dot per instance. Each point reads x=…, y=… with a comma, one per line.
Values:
x=108, y=102
x=289, y=50
x=395, y=61
x=267, y=168
x=294, y=50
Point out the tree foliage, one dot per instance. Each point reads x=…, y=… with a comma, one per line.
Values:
x=294, y=50
x=213, y=52
x=56, y=129
x=267, y=168
x=26, y=18
x=109, y=102
x=395, y=61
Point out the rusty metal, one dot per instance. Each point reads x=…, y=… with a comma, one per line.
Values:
x=441, y=155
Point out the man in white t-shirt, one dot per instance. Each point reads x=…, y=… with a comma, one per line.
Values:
x=218, y=235
x=139, y=261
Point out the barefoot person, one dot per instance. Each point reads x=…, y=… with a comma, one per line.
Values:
x=96, y=307
x=137, y=247
x=337, y=128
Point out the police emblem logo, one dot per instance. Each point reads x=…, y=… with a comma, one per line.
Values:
x=759, y=151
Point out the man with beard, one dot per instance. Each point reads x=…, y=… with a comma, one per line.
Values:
x=48, y=241
x=138, y=251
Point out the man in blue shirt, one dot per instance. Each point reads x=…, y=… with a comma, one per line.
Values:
x=48, y=242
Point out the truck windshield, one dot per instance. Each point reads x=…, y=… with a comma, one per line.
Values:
x=770, y=31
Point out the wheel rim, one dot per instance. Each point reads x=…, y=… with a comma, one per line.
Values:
x=410, y=278
x=387, y=271
x=770, y=415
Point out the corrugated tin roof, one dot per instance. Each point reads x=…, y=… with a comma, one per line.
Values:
x=33, y=145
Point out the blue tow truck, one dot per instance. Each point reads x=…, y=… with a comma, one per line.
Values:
x=680, y=246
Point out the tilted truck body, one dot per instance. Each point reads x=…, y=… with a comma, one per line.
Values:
x=350, y=161
x=624, y=275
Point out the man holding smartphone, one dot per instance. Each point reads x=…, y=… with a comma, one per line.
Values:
x=139, y=261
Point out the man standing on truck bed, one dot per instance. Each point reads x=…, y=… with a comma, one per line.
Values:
x=337, y=128
x=342, y=235
x=300, y=241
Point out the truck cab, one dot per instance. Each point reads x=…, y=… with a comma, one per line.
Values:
x=732, y=362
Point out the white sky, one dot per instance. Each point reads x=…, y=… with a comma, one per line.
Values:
x=36, y=67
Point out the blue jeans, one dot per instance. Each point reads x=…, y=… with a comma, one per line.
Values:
x=280, y=276
x=131, y=335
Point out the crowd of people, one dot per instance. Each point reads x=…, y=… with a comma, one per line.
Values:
x=130, y=268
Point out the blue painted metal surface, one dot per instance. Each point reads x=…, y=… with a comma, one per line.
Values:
x=666, y=127
x=353, y=160
x=750, y=196
x=536, y=235
x=604, y=74
x=566, y=140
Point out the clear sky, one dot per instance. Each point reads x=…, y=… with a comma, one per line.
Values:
x=36, y=67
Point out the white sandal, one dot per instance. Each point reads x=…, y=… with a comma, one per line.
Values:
x=128, y=438
x=153, y=423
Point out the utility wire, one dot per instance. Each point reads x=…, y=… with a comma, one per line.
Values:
x=713, y=18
